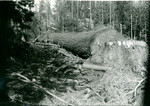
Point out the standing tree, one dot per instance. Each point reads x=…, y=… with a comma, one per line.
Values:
x=110, y=13
x=14, y=18
x=90, y=14
x=102, y=13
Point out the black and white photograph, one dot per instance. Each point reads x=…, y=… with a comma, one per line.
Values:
x=74, y=52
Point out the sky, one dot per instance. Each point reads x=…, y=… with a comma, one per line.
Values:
x=52, y=2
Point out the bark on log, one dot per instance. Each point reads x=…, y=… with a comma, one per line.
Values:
x=46, y=44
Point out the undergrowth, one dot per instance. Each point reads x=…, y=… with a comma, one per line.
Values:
x=56, y=72
x=40, y=67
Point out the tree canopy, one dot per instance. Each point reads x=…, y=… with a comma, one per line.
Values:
x=14, y=18
x=128, y=17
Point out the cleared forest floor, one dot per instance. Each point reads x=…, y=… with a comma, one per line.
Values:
x=53, y=76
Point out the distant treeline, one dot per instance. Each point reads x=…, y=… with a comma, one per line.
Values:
x=127, y=17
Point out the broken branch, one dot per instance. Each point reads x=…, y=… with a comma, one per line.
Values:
x=25, y=79
x=135, y=89
x=96, y=67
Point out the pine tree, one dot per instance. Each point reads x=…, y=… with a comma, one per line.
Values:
x=13, y=21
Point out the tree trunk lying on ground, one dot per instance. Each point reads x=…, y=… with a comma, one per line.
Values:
x=105, y=46
x=79, y=43
x=89, y=65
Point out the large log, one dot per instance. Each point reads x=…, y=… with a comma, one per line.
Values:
x=79, y=43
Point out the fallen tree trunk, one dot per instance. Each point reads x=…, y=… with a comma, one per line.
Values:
x=79, y=43
x=90, y=65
